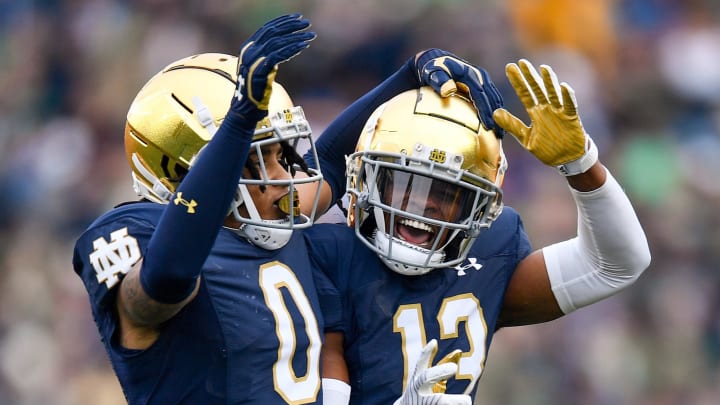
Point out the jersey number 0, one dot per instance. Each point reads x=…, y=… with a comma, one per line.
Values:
x=293, y=388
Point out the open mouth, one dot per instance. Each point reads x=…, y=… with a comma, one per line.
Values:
x=277, y=211
x=284, y=204
x=415, y=232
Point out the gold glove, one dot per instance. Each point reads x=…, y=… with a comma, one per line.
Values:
x=452, y=357
x=556, y=135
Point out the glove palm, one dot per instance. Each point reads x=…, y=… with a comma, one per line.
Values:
x=556, y=135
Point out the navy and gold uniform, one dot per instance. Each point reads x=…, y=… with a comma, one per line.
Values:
x=252, y=335
x=202, y=293
x=388, y=317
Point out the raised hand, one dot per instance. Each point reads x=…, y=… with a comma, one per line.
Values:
x=275, y=42
x=555, y=135
x=447, y=73
x=423, y=380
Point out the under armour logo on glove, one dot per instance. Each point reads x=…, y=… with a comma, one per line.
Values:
x=238, y=91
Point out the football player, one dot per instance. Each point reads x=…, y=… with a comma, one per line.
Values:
x=431, y=253
x=202, y=293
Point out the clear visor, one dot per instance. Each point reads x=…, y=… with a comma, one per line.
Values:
x=425, y=196
x=422, y=210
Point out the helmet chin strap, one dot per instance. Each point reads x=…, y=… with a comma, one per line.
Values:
x=263, y=237
x=204, y=116
x=249, y=204
x=374, y=195
x=158, y=192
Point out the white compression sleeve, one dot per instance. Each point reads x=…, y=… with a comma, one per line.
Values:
x=608, y=254
x=335, y=392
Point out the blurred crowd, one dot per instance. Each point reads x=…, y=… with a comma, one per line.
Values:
x=647, y=78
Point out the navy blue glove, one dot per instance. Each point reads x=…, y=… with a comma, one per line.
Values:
x=447, y=73
x=275, y=42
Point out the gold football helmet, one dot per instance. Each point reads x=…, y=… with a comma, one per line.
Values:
x=424, y=181
x=177, y=112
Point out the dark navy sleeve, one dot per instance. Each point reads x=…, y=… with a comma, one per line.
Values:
x=191, y=221
x=330, y=301
x=340, y=137
x=331, y=250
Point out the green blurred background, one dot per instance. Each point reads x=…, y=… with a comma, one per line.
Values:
x=647, y=77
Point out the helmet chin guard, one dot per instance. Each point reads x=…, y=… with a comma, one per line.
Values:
x=264, y=236
x=269, y=234
x=406, y=258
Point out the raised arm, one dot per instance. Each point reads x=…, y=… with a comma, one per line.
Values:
x=610, y=250
x=166, y=279
x=444, y=71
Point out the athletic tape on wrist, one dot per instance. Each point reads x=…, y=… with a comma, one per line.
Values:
x=584, y=163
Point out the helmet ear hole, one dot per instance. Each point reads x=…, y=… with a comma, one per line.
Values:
x=161, y=127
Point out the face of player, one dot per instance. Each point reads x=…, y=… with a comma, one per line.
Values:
x=423, y=197
x=266, y=202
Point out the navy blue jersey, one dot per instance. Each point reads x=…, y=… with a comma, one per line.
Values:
x=252, y=335
x=387, y=317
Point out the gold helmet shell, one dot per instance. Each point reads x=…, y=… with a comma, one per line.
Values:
x=422, y=116
x=175, y=115
x=163, y=132
x=422, y=135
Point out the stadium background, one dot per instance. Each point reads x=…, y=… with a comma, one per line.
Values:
x=647, y=76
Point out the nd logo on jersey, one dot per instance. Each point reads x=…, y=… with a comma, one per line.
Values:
x=115, y=257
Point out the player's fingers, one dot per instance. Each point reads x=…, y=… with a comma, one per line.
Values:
x=492, y=92
x=438, y=373
x=485, y=109
x=569, y=100
x=293, y=45
x=550, y=82
x=452, y=357
x=440, y=81
x=286, y=26
x=533, y=80
x=515, y=77
x=426, y=355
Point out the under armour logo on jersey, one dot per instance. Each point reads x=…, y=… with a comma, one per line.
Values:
x=110, y=259
x=189, y=204
x=472, y=264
